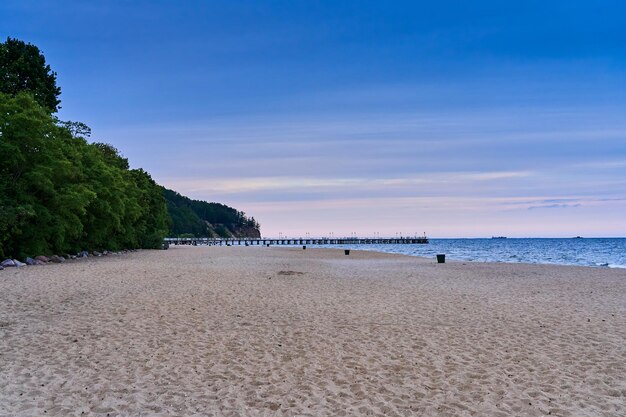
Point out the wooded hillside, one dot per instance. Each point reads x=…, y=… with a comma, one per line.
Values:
x=202, y=219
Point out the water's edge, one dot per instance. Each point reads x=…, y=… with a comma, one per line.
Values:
x=595, y=252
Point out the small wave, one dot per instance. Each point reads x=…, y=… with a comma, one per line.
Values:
x=597, y=253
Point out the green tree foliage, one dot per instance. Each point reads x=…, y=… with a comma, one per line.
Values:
x=23, y=68
x=76, y=128
x=42, y=194
x=202, y=219
x=153, y=222
x=60, y=194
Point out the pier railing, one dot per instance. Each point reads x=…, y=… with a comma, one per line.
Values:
x=295, y=241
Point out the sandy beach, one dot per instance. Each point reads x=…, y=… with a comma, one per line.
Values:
x=256, y=331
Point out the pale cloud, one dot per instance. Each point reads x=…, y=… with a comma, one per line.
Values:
x=246, y=185
x=256, y=184
x=491, y=176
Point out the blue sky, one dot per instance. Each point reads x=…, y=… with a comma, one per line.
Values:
x=453, y=118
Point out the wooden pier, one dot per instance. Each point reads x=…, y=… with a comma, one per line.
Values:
x=295, y=241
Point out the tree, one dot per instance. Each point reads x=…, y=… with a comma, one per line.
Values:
x=42, y=194
x=153, y=223
x=23, y=68
x=77, y=129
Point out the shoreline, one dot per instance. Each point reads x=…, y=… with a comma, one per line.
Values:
x=478, y=256
x=371, y=248
x=365, y=248
x=286, y=331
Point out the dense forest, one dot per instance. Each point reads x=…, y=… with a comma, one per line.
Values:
x=60, y=193
x=199, y=218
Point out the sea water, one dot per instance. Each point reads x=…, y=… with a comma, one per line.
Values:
x=600, y=252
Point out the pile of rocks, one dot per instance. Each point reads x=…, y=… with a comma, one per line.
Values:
x=57, y=259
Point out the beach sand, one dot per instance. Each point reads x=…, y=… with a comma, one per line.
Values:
x=256, y=331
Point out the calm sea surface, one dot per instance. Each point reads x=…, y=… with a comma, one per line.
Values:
x=600, y=252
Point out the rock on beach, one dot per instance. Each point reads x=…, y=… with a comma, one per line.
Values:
x=7, y=263
x=57, y=259
x=12, y=263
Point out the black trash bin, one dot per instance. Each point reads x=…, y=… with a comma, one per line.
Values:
x=441, y=258
x=347, y=251
x=303, y=247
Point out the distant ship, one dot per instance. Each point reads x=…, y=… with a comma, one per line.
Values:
x=498, y=237
x=577, y=237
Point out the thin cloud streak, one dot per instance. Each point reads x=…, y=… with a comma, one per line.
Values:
x=255, y=184
x=554, y=206
x=468, y=203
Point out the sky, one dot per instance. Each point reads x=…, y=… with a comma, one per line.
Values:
x=450, y=118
